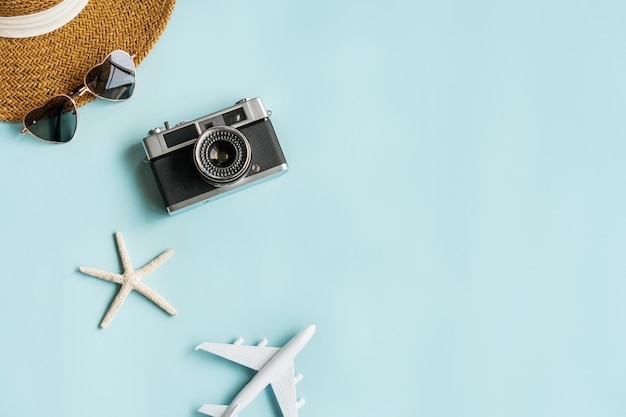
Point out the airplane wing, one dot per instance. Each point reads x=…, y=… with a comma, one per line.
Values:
x=284, y=387
x=253, y=357
x=213, y=410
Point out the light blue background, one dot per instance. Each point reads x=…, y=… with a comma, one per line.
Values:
x=452, y=220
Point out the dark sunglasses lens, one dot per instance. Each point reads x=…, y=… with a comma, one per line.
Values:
x=55, y=121
x=114, y=79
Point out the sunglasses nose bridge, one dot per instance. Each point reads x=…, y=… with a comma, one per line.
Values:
x=79, y=91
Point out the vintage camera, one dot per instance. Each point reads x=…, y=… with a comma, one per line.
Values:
x=198, y=161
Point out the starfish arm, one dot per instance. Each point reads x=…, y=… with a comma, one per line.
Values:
x=151, y=295
x=123, y=251
x=99, y=273
x=116, y=304
x=155, y=263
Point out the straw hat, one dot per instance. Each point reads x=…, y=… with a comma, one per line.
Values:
x=39, y=66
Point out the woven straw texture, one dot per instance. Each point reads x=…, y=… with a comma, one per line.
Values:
x=32, y=70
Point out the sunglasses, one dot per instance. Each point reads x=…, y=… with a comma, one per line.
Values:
x=55, y=122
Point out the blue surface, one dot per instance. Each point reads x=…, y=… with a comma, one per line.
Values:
x=452, y=220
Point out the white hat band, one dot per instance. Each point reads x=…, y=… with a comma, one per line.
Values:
x=42, y=22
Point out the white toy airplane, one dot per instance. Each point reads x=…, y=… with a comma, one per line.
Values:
x=274, y=366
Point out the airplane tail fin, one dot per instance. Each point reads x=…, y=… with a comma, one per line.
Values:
x=213, y=410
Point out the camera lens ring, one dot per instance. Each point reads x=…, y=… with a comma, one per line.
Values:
x=222, y=155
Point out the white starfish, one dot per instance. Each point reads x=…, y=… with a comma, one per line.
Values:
x=130, y=280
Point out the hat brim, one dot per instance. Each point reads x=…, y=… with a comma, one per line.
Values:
x=35, y=69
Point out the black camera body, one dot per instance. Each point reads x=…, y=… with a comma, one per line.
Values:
x=209, y=157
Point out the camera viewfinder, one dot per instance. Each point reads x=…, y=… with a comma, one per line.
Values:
x=234, y=116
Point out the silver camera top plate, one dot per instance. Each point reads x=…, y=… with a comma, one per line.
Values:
x=161, y=142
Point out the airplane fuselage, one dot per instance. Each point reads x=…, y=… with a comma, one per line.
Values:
x=265, y=375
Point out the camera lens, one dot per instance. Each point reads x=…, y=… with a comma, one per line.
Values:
x=222, y=155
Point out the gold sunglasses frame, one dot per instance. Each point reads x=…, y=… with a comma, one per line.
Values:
x=78, y=92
